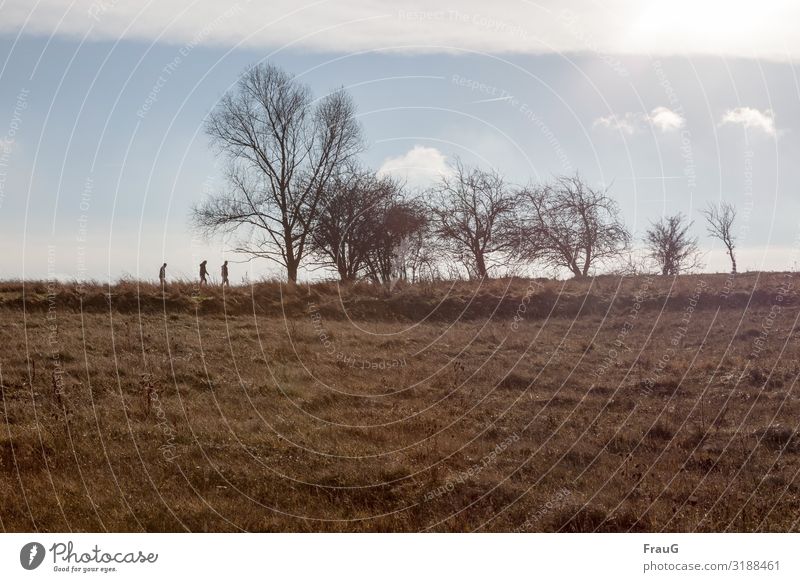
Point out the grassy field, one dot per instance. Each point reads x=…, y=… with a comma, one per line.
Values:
x=611, y=404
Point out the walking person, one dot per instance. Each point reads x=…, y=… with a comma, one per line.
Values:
x=224, y=271
x=225, y=274
x=203, y=273
x=162, y=275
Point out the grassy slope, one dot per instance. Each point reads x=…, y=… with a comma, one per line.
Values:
x=432, y=408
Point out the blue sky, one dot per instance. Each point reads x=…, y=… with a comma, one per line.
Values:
x=103, y=151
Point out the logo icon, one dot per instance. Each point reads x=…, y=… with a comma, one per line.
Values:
x=31, y=555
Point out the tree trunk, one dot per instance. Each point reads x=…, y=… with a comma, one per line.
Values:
x=480, y=265
x=587, y=263
x=291, y=272
x=733, y=262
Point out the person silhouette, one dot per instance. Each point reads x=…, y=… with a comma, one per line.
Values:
x=162, y=274
x=203, y=273
x=225, y=274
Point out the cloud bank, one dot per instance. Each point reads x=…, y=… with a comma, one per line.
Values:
x=729, y=28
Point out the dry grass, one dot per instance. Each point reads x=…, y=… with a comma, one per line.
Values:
x=445, y=407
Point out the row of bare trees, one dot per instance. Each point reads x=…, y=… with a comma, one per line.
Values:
x=486, y=223
x=675, y=251
x=564, y=224
x=296, y=195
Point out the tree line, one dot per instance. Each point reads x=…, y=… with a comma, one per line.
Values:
x=296, y=194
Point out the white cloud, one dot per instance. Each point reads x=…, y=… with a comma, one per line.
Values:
x=664, y=119
x=719, y=27
x=627, y=123
x=750, y=118
x=419, y=167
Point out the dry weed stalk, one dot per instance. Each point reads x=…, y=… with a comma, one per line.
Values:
x=148, y=393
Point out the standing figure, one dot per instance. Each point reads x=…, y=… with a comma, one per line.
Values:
x=203, y=273
x=162, y=274
x=225, y=274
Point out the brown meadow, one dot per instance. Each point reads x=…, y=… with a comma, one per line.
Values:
x=606, y=404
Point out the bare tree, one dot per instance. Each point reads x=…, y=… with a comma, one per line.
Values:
x=568, y=224
x=367, y=228
x=282, y=149
x=671, y=246
x=419, y=253
x=719, y=224
x=396, y=226
x=470, y=212
x=350, y=220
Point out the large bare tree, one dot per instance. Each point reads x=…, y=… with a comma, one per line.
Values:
x=719, y=224
x=471, y=211
x=671, y=246
x=282, y=148
x=568, y=224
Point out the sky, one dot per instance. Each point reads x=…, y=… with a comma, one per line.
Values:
x=671, y=106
